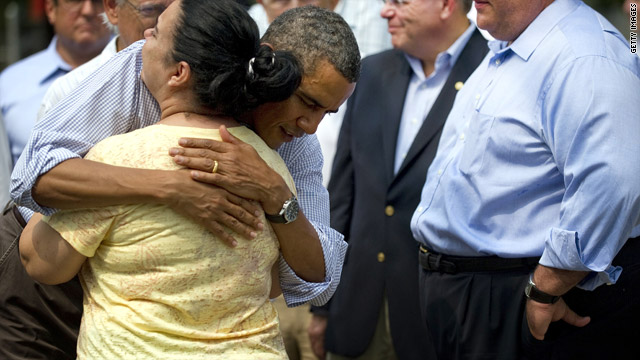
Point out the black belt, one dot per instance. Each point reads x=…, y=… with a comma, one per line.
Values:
x=431, y=261
x=10, y=206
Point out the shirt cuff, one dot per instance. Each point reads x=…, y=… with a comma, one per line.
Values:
x=563, y=251
x=26, y=172
x=297, y=291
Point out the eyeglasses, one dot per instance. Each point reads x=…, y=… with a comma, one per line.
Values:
x=397, y=2
x=76, y=4
x=148, y=10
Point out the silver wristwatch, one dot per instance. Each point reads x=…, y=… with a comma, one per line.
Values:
x=287, y=214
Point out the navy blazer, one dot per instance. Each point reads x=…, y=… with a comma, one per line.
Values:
x=372, y=207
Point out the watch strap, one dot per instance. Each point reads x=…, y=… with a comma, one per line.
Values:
x=532, y=292
x=288, y=213
x=278, y=218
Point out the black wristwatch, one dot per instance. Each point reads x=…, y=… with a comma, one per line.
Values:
x=535, y=294
x=287, y=214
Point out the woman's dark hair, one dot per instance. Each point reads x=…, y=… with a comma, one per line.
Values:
x=232, y=71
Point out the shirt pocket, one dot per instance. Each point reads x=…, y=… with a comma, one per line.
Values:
x=475, y=142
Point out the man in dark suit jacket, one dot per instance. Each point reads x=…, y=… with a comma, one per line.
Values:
x=383, y=153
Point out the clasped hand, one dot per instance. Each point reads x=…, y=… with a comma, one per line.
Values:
x=232, y=196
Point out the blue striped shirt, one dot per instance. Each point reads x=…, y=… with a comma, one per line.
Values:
x=113, y=100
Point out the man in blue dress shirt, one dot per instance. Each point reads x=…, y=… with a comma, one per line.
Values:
x=534, y=189
x=80, y=36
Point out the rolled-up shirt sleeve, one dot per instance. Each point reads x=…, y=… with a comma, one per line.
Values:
x=104, y=104
x=590, y=120
x=304, y=160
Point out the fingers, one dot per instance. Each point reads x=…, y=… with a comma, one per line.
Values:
x=227, y=137
x=219, y=211
x=201, y=163
x=316, y=331
x=213, y=145
x=242, y=216
x=571, y=318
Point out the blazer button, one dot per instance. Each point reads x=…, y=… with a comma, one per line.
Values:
x=389, y=210
x=380, y=257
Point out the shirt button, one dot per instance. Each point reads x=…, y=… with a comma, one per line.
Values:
x=439, y=171
x=459, y=85
x=414, y=121
x=419, y=209
x=498, y=61
x=389, y=210
x=478, y=97
x=381, y=257
x=461, y=136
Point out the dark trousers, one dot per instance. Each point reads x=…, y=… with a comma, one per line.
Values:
x=481, y=316
x=36, y=321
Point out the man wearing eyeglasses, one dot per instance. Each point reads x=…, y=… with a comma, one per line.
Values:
x=387, y=141
x=79, y=37
x=127, y=18
x=39, y=321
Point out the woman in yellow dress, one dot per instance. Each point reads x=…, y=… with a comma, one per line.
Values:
x=156, y=284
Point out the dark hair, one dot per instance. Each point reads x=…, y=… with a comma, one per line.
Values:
x=314, y=34
x=466, y=5
x=218, y=39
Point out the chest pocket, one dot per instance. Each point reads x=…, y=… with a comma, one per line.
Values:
x=475, y=143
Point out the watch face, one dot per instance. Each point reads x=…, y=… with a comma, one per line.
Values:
x=291, y=211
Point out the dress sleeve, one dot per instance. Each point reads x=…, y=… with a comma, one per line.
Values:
x=84, y=229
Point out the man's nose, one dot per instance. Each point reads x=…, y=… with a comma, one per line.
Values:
x=310, y=122
x=90, y=7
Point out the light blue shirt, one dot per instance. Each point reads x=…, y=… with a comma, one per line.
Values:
x=22, y=86
x=539, y=155
x=422, y=93
x=113, y=100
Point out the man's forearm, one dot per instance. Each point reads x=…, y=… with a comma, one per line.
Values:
x=301, y=248
x=80, y=183
x=556, y=281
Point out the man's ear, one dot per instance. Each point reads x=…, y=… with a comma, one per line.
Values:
x=50, y=10
x=181, y=75
x=448, y=8
x=110, y=8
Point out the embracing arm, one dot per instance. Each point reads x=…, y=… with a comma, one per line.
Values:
x=112, y=100
x=314, y=250
x=243, y=172
x=46, y=256
x=80, y=183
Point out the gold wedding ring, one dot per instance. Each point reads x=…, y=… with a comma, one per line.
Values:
x=215, y=166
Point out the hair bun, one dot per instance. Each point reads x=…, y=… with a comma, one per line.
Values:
x=271, y=75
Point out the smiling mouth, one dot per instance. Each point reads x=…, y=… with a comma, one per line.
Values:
x=289, y=135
